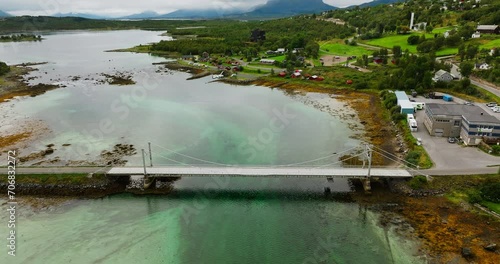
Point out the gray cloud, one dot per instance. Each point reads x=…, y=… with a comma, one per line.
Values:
x=126, y=7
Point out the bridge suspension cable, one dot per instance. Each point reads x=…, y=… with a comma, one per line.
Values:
x=190, y=157
x=318, y=159
x=284, y=165
x=340, y=161
x=395, y=158
x=169, y=159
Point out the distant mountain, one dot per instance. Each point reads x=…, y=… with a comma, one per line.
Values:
x=378, y=2
x=4, y=14
x=84, y=15
x=143, y=15
x=282, y=8
x=205, y=13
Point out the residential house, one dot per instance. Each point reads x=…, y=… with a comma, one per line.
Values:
x=188, y=57
x=377, y=60
x=419, y=26
x=477, y=34
x=468, y=122
x=442, y=76
x=488, y=29
x=492, y=51
x=483, y=66
x=280, y=51
x=267, y=61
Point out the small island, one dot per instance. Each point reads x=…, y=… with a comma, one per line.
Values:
x=20, y=37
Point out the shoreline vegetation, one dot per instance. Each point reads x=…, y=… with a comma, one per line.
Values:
x=20, y=38
x=13, y=83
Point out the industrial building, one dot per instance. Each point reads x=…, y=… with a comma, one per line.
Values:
x=468, y=122
x=404, y=102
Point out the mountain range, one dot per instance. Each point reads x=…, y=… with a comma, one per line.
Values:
x=84, y=15
x=271, y=9
x=283, y=8
x=378, y=2
x=4, y=14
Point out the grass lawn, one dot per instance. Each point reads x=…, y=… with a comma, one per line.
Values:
x=401, y=40
x=280, y=58
x=495, y=207
x=336, y=48
x=441, y=30
x=260, y=65
x=447, y=51
x=491, y=44
x=397, y=40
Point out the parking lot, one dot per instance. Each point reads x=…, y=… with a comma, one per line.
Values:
x=453, y=158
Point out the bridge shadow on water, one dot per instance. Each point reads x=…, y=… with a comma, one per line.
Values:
x=256, y=195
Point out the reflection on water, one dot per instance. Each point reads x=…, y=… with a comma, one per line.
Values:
x=216, y=220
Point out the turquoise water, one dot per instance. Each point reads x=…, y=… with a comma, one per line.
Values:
x=234, y=225
x=217, y=220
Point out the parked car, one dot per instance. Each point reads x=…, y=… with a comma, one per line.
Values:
x=419, y=141
x=491, y=104
x=451, y=140
x=468, y=103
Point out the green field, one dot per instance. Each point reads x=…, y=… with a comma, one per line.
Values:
x=280, y=58
x=335, y=48
x=492, y=206
x=441, y=30
x=401, y=40
x=491, y=44
x=396, y=40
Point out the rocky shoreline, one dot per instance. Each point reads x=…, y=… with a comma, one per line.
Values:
x=96, y=189
x=448, y=232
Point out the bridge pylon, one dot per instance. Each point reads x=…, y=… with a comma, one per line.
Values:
x=367, y=181
x=147, y=180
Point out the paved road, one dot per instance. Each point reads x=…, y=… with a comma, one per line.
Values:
x=489, y=88
x=452, y=159
x=455, y=70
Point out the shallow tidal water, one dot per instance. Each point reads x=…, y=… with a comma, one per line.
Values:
x=217, y=220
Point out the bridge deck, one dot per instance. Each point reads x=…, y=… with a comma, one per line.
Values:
x=260, y=172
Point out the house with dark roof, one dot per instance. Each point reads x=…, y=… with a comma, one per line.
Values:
x=469, y=122
x=488, y=29
x=443, y=76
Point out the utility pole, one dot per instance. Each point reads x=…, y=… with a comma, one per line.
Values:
x=150, y=154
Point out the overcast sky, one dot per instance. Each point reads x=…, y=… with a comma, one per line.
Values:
x=127, y=7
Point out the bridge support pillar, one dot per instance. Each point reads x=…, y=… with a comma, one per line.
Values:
x=366, y=184
x=149, y=181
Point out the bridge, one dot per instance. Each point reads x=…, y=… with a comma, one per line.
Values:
x=337, y=168
x=257, y=172
x=301, y=169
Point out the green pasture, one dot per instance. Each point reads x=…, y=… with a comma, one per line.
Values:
x=401, y=40
x=441, y=30
x=335, y=48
